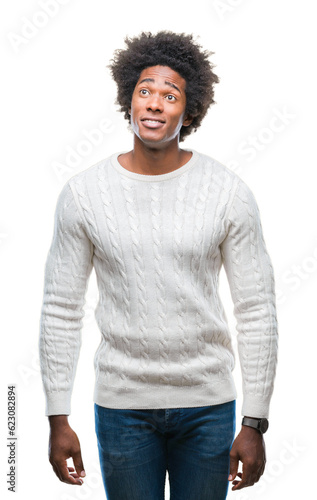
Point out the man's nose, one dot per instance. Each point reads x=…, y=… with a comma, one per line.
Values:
x=154, y=103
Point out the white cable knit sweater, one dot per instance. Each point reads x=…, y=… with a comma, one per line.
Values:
x=157, y=243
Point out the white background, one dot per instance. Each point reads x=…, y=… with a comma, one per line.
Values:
x=56, y=88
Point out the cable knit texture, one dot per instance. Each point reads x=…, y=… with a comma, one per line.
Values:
x=157, y=244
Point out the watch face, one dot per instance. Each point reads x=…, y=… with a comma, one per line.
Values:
x=264, y=424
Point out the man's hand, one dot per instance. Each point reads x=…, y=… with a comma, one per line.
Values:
x=64, y=444
x=249, y=448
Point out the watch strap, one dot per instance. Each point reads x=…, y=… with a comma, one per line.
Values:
x=260, y=424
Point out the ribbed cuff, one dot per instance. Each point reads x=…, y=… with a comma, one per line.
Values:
x=58, y=403
x=256, y=406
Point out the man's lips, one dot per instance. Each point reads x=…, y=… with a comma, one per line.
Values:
x=152, y=122
x=152, y=118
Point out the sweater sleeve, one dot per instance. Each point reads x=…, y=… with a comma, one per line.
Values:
x=251, y=279
x=68, y=266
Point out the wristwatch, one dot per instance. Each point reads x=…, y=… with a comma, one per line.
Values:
x=261, y=424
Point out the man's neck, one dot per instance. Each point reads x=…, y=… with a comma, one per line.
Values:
x=147, y=160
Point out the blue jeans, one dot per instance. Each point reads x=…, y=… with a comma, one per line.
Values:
x=137, y=447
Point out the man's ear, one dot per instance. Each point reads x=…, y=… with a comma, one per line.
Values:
x=187, y=120
x=129, y=111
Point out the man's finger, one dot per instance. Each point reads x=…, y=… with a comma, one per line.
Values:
x=72, y=470
x=248, y=477
x=65, y=476
x=55, y=469
x=237, y=481
x=78, y=464
x=234, y=464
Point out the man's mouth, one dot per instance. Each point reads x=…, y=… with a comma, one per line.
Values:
x=152, y=122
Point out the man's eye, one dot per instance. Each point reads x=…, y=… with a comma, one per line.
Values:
x=171, y=97
x=143, y=91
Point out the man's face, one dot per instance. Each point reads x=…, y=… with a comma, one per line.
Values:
x=158, y=106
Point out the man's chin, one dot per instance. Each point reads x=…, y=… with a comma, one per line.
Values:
x=155, y=142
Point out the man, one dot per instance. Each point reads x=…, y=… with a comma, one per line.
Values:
x=157, y=223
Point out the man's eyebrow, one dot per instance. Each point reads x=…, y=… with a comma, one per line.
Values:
x=167, y=83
